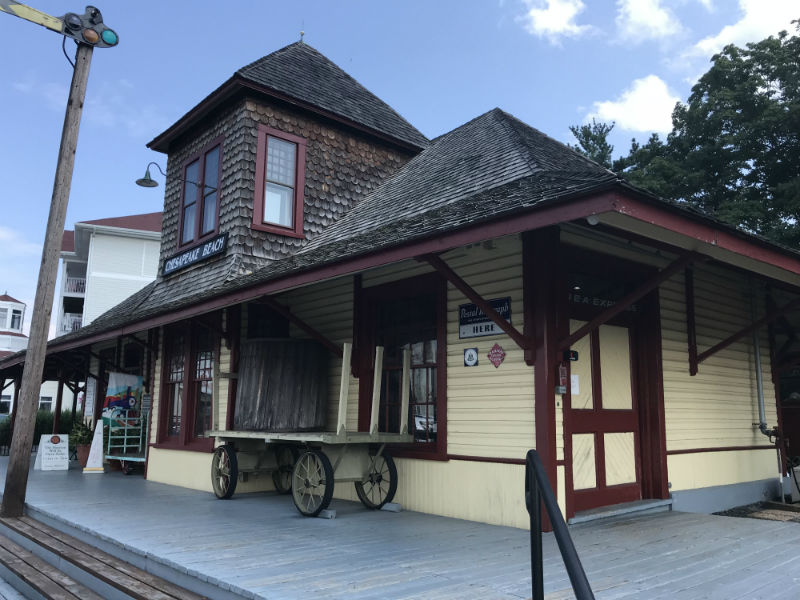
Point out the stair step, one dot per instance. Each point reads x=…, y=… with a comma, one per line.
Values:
x=619, y=510
x=124, y=577
x=38, y=576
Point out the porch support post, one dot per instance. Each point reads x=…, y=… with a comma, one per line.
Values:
x=691, y=329
x=540, y=268
x=638, y=293
x=59, y=399
x=288, y=315
x=779, y=312
x=437, y=263
x=75, y=400
x=17, y=386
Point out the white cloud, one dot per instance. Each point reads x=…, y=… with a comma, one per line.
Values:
x=759, y=19
x=639, y=20
x=54, y=94
x=14, y=244
x=646, y=106
x=111, y=107
x=554, y=19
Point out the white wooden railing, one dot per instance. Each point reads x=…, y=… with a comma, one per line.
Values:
x=75, y=285
x=71, y=322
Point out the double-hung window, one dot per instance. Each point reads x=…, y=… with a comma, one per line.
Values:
x=399, y=316
x=16, y=320
x=280, y=179
x=200, y=195
x=187, y=389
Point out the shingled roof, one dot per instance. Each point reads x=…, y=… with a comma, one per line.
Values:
x=492, y=167
x=302, y=74
x=459, y=167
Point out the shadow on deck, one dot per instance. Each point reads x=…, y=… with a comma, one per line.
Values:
x=258, y=546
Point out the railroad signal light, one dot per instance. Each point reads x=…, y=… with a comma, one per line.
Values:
x=89, y=28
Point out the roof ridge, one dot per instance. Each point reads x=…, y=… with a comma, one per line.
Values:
x=522, y=149
x=518, y=123
x=401, y=129
x=273, y=53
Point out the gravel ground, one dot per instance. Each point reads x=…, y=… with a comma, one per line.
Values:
x=771, y=511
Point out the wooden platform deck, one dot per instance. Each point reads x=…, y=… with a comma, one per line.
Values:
x=258, y=546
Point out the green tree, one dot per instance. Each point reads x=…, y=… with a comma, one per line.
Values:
x=734, y=150
x=593, y=141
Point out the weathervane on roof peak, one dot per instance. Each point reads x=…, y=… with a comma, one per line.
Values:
x=302, y=33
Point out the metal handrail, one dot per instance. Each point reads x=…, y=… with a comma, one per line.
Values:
x=538, y=492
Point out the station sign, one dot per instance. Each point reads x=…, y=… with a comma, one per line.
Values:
x=194, y=255
x=473, y=322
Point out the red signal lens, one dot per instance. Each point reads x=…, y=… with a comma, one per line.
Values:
x=91, y=36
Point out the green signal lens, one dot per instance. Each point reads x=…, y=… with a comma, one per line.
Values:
x=109, y=37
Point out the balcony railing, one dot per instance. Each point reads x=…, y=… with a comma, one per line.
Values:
x=71, y=322
x=75, y=285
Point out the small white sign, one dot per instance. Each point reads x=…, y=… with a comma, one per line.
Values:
x=575, y=384
x=470, y=357
x=91, y=390
x=95, y=462
x=53, y=453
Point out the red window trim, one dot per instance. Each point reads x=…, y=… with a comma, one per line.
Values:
x=300, y=182
x=367, y=297
x=185, y=440
x=199, y=156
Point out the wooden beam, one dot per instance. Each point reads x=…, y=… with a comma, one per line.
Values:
x=142, y=343
x=377, y=379
x=638, y=293
x=437, y=263
x=110, y=363
x=59, y=400
x=288, y=315
x=344, y=386
x=789, y=306
x=75, y=367
x=691, y=327
x=540, y=264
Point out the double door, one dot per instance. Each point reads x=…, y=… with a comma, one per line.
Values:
x=602, y=419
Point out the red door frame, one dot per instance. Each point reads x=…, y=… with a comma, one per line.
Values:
x=547, y=318
x=605, y=421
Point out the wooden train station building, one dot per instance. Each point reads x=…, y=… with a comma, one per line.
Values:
x=544, y=302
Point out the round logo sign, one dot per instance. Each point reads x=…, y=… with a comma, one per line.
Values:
x=54, y=439
x=470, y=357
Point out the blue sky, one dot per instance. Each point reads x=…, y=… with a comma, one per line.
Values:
x=440, y=63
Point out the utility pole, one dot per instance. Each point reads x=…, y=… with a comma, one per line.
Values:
x=89, y=31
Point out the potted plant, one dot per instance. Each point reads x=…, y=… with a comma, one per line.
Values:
x=81, y=439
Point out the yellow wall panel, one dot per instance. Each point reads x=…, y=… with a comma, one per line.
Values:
x=477, y=491
x=718, y=406
x=705, y=469
x=490, y=409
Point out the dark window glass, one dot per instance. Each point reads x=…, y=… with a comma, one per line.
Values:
x=211, y=172
x=190, y=190
x=409, y=323
x=176, y=358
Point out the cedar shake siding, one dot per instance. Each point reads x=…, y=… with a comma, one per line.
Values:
x=342, y=166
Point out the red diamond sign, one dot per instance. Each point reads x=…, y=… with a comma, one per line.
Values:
x=496, y=355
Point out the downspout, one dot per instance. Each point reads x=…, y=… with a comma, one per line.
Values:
x=762, y=414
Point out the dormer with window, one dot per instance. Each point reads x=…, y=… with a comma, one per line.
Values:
x=12, y=315
x=280, y=151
